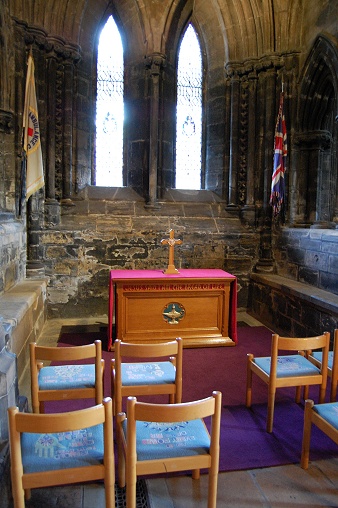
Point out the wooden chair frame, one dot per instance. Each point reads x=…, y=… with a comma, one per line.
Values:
x=128, y=465
x=39, y=354
x=332, y=371
x=303, y=346
x=312, y=417
x=172, y=351
x=19, y=423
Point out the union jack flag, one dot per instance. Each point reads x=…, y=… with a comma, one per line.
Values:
x=279, y=161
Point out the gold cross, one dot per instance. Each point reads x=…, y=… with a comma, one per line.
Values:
x=171, y=241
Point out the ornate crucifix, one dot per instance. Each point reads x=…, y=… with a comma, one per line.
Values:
x=171, y=241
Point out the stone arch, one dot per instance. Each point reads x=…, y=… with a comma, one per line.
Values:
x=316, y=142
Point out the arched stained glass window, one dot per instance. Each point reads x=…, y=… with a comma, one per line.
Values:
x=189, y=112
x=109, y=107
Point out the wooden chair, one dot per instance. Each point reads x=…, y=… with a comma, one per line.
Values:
x=146, y=377
x=67, y=381
x=162, y=438
x=332, y=366
x=325, y=416
x=61, y=449
x=289, y=370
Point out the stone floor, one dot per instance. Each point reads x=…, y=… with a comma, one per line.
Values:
x=276, y=487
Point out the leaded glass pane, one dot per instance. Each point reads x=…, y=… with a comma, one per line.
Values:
x=109, y=107
x=189, y=113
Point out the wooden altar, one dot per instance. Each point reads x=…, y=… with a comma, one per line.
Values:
x=197, y=305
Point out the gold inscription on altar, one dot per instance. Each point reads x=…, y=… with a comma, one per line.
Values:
x=174, y=287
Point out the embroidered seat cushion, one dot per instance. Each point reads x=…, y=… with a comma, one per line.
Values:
x=328, y=411
x=289, y=365
x=44, y=452
x=158, y=440
x=318, y=355
x=146, y=373
x=63, y=377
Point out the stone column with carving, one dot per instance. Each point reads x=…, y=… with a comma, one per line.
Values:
x=155, y=64
x=234, y=136
x=267, y=111
x=71, y=56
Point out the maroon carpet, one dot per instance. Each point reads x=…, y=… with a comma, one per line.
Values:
x=244, y=442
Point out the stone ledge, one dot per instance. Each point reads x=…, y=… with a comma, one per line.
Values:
x=15, y=302
x=23, y=307
x=323, y=300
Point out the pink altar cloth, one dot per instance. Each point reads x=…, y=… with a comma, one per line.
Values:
x=185, y=273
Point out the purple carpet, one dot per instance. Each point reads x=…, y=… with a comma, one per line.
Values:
x=244, y=442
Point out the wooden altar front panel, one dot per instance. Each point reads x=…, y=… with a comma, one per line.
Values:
x=140, y=301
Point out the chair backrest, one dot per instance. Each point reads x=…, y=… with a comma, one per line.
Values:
x=64, y=355
x=50, y=424
x=158, y=350
x=185, y=411
x=301, y=344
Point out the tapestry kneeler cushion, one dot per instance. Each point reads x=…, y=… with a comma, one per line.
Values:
x=63, y=450
x=136, y=374
x=63, y=377
x=161, y=440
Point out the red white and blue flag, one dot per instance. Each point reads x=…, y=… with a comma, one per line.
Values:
x=279, y=161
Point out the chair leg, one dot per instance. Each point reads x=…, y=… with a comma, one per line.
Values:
x=212, y=489
x=121, y=464
x=333, y=391
x=298, y=394
x=306, y=435
x=322, y=393
x=271, y=409
x=18, y=494
x=131, y=487
x=306, y=392
x=248, y=381
x=110, y=494
x=196, y=474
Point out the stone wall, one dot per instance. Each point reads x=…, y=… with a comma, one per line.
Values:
x=309, y=256
x=292, y=308
x=301, y=297
x=113, y=229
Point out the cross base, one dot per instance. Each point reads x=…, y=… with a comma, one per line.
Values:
x=171, y=270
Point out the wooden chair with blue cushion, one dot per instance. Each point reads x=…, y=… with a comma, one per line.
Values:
x=71, y=378
x=163, y=438
x=332, y=367
x=61, y=449
x=325, y=417
x=288, y=370
x=147, y=369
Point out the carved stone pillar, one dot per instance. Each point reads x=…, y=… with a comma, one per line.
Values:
x=67, y=106
x=50, y=126
x=248, y=210
x=155, y=62
x=234, y=137
x=267, y=111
